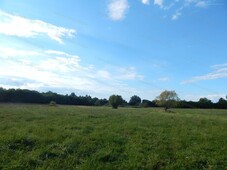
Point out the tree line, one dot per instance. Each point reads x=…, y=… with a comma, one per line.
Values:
x=170, y=99
x=31, y=96
x=166, y=99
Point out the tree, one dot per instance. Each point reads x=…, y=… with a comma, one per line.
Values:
x=135, y=101
x=222, y=104
x=205, y=103
x=148, y=103
x=115, y=101
x=167, y=99
x=101, y=102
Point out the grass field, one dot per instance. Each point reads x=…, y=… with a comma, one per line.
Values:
x=70, y=137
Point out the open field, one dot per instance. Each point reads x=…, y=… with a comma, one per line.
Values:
x=73, y=137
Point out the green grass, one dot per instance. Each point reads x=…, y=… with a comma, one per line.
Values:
x=70, y=137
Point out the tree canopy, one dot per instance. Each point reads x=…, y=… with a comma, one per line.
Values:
x=115, y=101
x=135, y=101
x=204, y=103
x=167, y=99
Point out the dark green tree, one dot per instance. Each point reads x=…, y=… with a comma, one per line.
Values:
x=115, y=101
x=135, y=101
x=205, y=103
x=222, y=104
x=148, y=103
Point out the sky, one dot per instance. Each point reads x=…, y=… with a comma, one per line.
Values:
x=124, y=47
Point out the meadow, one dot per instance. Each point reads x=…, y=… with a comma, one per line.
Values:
x=77, y=137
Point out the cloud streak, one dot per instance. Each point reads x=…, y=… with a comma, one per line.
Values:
x=201, y=4
x=219, y=71
x=15, y=25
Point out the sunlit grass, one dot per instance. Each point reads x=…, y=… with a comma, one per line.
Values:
x=70, y=137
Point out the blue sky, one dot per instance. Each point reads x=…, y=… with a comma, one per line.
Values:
x=126, y=47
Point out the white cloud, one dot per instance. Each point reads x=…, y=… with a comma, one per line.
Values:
x=146, y=2
x=54, y=52
x=119, y=74
x=128, y=73
x=219, y=66
x=59, y=70
x=7, y=52
x=179, y=5
x=176, y=15
x=61, y=65
x=117, y=9
x=15, y=25
x=159, y=3
x=219, y=71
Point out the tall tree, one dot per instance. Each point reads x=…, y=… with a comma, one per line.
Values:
x=167, y=99
x=135, y=101
x=115, y=101
x=205, y=103
x=221, y=104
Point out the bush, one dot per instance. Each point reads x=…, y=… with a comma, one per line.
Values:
x=115, y=101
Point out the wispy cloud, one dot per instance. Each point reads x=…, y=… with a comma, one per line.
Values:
x=117, y=9
x=159, y=3
x=179, y=6
x=53, y=69
x=197, y=3
x=146, y=2
x=104, y=74
x=128, y=73
x=219, y=71
x=176, y=15
x=15, y=25
x=7, y=52
x=64, y=63
x=201, y=4
x=217, y=66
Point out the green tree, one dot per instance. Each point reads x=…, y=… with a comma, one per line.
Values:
x=148, y=103
x=135, y=101
x=222, y=104
x=167, y=99
x=115, y=101
x=205, y=103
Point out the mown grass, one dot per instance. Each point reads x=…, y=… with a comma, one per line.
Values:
x=70, y=137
